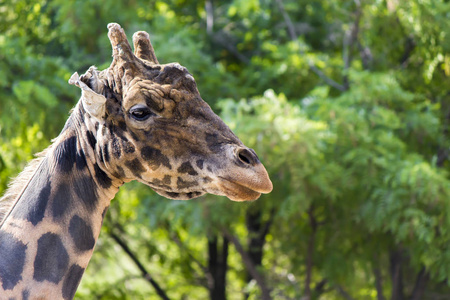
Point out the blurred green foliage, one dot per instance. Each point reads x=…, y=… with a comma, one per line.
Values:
x=361, y=200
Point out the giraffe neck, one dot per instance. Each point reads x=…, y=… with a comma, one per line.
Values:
x=48, y=237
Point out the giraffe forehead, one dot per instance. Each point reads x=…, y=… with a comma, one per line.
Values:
x=174, y=73
x=168, y=76
x=146, y=92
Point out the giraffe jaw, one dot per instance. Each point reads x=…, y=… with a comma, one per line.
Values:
x=225, y=187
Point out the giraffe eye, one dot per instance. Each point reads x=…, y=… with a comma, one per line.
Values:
x=140, y=112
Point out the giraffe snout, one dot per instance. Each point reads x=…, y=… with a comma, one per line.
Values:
x=252, y=173
x=247, y=178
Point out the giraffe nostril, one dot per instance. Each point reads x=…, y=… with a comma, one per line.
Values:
x=247, y=156
x=243, y=158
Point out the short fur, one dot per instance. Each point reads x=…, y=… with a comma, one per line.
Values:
x=18, y=184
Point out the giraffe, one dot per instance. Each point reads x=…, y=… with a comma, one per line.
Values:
x=136, y=120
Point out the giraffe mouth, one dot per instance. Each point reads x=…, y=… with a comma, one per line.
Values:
x=236, y=191
x=231, y=189
x=179, y=195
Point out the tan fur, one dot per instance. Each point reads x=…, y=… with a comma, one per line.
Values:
x=18, y=184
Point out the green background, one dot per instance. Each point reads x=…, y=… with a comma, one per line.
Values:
x=347, y=103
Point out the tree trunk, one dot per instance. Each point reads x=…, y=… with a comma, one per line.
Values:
x=378, y=283
x=421, y=282
x=378, y=277
x=257, y=232
x=256, y=238
x=396, y=275
x=217, y=265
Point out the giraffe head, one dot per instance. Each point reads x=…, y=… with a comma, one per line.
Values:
x=147, y=121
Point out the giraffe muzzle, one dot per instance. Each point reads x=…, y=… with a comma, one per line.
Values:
x=247, y=179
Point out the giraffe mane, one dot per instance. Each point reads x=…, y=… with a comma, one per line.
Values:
x=18, y=184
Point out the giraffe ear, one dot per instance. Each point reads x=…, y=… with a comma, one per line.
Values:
x=93, y=103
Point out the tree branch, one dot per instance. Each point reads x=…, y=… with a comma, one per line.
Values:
x=350, y=37
x=443, y=153
x=208, y=276
x=325, y=78
x=161, y=293
x=346, y=57
x=294, y=37
x=269, y=222
x=320, y=287
x=366, y=56
x=176, y=238
x=209, y=17
x=310, y=252
x=287, y=20
x=378, y=279
x=421, y=282
x=344, y=293
x=265, y=292
x=101, y=293
x=221, y=37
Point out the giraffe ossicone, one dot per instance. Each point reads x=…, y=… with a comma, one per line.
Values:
x=136, y=120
